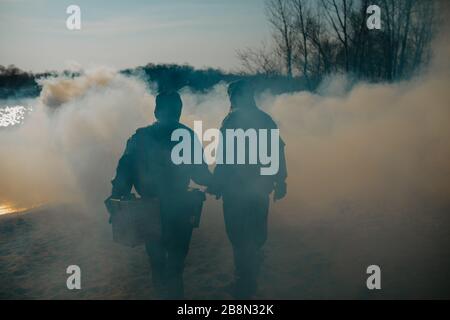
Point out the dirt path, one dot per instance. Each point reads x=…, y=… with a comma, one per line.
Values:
x=305, y=258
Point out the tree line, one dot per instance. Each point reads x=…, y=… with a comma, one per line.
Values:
x=311, y=39
x=16, y=83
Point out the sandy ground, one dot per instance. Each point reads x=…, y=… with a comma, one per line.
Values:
x=309, y=257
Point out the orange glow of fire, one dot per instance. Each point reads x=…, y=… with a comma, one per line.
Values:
x=8, y=208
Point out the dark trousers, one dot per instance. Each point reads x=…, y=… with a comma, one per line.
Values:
x=168, y=253
x=245, y=217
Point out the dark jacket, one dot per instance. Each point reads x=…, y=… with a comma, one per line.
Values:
x=247, y=177
x=147, y=165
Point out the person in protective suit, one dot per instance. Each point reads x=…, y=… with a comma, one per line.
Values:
x=245, y=192
x=147, y=165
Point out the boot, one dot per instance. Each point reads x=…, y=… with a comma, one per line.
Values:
x=175, y=287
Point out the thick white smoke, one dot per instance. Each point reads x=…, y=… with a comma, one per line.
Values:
x=385, y=143
x=67, y=154
x=376, y=143
x=68, y=147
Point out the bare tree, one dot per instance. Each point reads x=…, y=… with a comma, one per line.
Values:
x=326, y=47
x=338, y=13
x=404, y=41
x=302, y=20
x=280, y=17
x=261, y=60
x=422, y=30
x=408, y=23
x=317, y=38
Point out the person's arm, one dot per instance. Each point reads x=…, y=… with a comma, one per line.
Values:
x=219, y=174
x=200, y=173
x=280, y=186
x=280, y=178
x=123, y=182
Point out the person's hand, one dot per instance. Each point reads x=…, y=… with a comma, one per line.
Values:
x=280, y=191
x=212, y=190
x=109, y=208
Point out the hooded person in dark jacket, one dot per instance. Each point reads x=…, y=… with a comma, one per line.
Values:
x=245, y=191
x=147, y=166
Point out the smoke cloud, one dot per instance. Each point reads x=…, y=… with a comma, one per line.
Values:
x=67, y=154
x=378, y=143
x=57, y=91
x=375, y=143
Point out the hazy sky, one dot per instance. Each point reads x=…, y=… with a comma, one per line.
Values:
x=121, y=34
